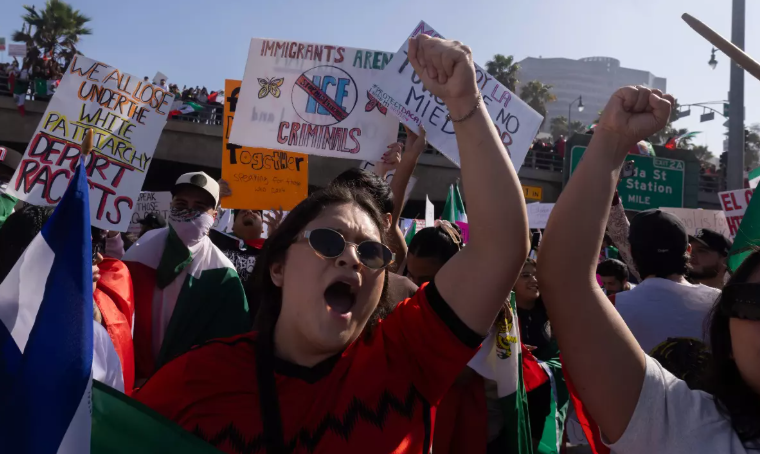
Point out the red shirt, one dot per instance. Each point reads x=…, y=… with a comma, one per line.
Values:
x=375, y=397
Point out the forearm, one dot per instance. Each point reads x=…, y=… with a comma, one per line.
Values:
x=489, y=264
x=602, y=357
x=400, y=181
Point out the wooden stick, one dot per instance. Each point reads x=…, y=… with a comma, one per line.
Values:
x=87, y=142
x=727, y=47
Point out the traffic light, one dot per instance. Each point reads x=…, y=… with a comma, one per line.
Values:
x=723, y=162
x=725, y=109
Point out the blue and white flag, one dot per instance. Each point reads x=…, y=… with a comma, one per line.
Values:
x=46, y=329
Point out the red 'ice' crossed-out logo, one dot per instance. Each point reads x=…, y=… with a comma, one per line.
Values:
x=324, y=95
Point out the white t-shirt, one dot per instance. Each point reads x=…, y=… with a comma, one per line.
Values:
x=671, y=418
x=658, y=309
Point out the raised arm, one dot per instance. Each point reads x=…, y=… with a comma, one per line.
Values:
x=600, y=353
x=476, y=281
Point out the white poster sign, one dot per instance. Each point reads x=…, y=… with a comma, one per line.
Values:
x=734, y=204
x=429, y=211
x=401, y=91
x=538, y=214
x=17, y=50
x=696, y=219
x=126, y=116
x=150, y=202
x=313, y=99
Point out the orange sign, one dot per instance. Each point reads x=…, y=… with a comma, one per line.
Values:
x=260, y=178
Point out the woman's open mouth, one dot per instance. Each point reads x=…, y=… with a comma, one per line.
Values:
x=340, y=298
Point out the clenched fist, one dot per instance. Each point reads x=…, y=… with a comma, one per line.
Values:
x=446, y=70
x=635, y=113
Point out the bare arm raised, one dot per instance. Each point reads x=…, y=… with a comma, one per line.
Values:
x=477, y=280
x=600, y=353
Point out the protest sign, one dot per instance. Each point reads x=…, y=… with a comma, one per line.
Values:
x=260, y=179
x=149, y=202
x=735, y=204
x=372, y=167
x=538, y=214
x=400, y=90
x=17, y=50
x=429, y=211
x=126, y=116
x=313, y=98
x=697, y=219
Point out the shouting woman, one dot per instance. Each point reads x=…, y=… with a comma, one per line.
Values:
x=322, y=373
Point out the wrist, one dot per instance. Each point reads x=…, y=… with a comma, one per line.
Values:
x=612, y=144
x=462, y=105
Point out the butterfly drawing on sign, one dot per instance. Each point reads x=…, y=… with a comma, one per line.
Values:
x=372, y=103
x=270, y=86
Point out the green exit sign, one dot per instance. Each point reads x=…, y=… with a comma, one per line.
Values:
x=657, y=182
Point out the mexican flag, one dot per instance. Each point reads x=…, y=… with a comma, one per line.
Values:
x=747, y=237
x=198, y=282
x=186, y=108
x=500, y=360
x=754, y=177
x=123, y=425
x=453, y=211
x=411, y=231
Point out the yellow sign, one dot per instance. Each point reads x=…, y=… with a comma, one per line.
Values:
x=532, y=192
x=260, y=178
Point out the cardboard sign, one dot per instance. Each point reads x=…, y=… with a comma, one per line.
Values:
x=696, y=219
x=734, y=204
x=126, y=116
x=150, y=202
x=538, y=214
x=313, y=98
x=400, y=90
x=260, y=179
x=17, y=50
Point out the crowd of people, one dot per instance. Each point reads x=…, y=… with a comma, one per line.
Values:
x=333, y=335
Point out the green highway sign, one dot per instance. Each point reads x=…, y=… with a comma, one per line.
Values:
x=657, y=182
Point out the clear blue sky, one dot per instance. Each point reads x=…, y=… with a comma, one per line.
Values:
x=202, y=43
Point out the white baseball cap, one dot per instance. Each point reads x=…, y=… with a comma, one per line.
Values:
x=201, y=180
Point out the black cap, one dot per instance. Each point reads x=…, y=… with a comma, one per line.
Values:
x=153, y=220
x=712, y=240
x=657, y=234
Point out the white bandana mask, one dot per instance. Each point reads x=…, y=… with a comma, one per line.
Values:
x=191, y=225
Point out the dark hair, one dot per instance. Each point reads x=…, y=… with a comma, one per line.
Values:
x=649, y=264
x=733, y=396
x=266, y=309
x=376, y=187
x=614, y=268
x=17, y=232
x=439, y=242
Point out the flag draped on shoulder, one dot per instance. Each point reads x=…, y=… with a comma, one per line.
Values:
x=195, y=289
x=46, y=334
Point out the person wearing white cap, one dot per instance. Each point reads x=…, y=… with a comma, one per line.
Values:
x=186, y=290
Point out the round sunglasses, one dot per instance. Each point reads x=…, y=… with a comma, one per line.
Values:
x=329, y=244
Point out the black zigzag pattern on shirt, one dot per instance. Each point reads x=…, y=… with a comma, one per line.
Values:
x=342, y=426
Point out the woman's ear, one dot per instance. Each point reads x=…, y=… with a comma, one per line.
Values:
x=277, y=273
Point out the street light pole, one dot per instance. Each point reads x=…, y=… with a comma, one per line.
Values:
x=570, y=111
x=735, y=176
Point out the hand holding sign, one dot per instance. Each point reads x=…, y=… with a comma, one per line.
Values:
x=446, y=70
x=390, y=159
x=415, y=143
x=633, y=114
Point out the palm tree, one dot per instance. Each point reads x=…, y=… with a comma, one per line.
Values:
x=752, y=147
x=537, y=95
x=53, y=33
x=702, y=153
x=504, y=69
x=558, y=127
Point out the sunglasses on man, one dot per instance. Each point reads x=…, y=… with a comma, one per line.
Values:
x=330, y=244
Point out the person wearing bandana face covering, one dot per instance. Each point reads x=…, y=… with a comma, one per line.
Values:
x=186, y=290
